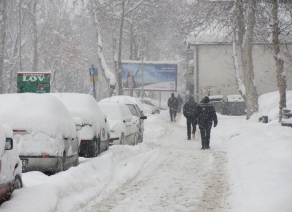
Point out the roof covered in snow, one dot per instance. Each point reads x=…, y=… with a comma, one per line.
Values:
x=36, y=113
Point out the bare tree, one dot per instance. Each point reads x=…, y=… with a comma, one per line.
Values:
x=281, y=77
x=3, y=20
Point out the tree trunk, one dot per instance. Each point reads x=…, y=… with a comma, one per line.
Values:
x=251, y=92
x=3, y=20
x=110, y=77
x=119, y=74
x=281, y=78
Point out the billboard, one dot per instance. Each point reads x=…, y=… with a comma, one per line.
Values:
x=157, y=76
x=33, y=82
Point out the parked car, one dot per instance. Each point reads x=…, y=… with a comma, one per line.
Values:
x=218, y=102
x=44, y=130
x=147, y=108
x=124, y=127
x=154, y=103
x=153, y=108
x=135, y=108
x=10, y=164
x=235, y=105
x=94, y=134
x=287, y=117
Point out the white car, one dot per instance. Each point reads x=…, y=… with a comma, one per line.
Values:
x=10, y=164
x=148, y=104
x=135, y=108
x=153, y=103
x=44, y=130
x=94, y=134
x=124, y=127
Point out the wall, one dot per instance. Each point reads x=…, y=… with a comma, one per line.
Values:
x=214, y=72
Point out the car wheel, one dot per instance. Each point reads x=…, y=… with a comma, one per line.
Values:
x=122, y=140
x=17, y=184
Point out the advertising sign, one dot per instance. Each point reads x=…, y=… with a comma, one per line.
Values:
x=156, y=76
x=33, y=82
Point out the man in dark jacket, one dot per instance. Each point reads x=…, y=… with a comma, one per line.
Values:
x=206, y=114
x=172, y=104
x=189, y=111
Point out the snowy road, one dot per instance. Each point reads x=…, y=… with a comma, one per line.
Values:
x=182, y=178
x=248, y=168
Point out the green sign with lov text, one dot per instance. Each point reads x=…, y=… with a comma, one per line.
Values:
x=33, y=82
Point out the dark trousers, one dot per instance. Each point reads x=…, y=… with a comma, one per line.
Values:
x=191, y=121
x=205, y=136
x=172, y=114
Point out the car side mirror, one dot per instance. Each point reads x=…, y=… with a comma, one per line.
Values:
x=9, y=144
x=143, y=117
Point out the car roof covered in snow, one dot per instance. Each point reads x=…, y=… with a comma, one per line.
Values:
x=36, y=113
x=124, y=99
x=235, y=98
x=83, y=106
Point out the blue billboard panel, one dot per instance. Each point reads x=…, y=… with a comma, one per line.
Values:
x=154, y=76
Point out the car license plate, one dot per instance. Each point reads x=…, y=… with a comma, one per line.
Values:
x=24, y=163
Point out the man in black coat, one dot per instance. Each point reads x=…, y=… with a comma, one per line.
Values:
x=206, y=114
x=172, y=104
x=189, y=111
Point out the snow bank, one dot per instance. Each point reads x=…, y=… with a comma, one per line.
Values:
x=36, y=113
x=76, y=187
x=260, y=160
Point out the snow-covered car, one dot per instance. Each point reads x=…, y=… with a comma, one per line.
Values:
x=235, y=105
x=124, y=127
x=149, y=105
x=94, y=134
x=147, y=108
x=153, y=103
x=269, y=106
x=44, y=130
x=286, y=117
x=135, y=108
x=10, y=164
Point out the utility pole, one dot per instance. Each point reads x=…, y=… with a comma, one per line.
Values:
x=19, y=19
x=142, y=95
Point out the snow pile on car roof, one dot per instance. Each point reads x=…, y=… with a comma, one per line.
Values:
x=124, y=99
x=36, y=113
x=269, y=104
x=235, y=98
x=83, y=106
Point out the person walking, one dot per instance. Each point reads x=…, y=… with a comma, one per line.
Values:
x=172, y=104
x=189, y=111
x=206, y=115
x=180, y=103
